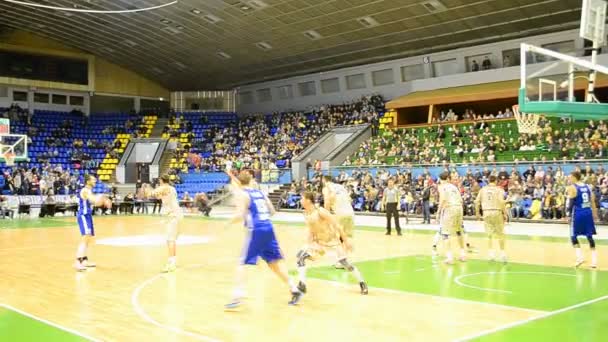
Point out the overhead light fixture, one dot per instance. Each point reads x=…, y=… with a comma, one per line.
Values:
x=245, y=8
x=312, y=34
x=212, y=19
x=367, y=21
x=196, y=11
x=165, y=21
x=223, y=55
x=264, y=46
x=257, y=4
x=84, y=10
x=129, y=43
x=179, y=27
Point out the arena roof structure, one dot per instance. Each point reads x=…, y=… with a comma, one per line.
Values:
x=220, y=44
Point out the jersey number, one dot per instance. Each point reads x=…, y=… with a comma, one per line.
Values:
x=263, y=211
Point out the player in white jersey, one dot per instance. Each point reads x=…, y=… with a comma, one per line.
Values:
x=338, y=202
x=449, y=215
x=173, y=215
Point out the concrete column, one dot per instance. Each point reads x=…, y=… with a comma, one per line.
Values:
x=137, y=103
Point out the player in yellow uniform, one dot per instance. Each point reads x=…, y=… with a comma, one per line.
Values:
x=173, y=215
x=337, y=201
x=449, y=215
x=491, y=199
x=324, y=235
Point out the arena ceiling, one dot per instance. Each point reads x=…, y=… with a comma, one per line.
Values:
x=220, y=44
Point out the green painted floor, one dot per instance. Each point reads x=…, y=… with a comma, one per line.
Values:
x=17, y=327
x=519, y=285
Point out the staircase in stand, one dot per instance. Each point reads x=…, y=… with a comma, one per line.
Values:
x=276, y=194
x=157, y=130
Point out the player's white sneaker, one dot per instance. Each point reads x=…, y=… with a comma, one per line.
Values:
x=449, y=262
x=579, y=262
x=462, y=259
x=593, y=265
x=339, y=266
x=79, y=266
x=492, y=257
x=503, y=259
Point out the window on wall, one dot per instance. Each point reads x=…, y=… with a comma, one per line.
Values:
x=383, y=77
x=20, y=96
x=77, y=100
x=285, y=92
x=246, y=97
x=59, y=99
x=355, y=81
x=412, y=72
x=264, y=95
x=330, y=85
x=41, y=98
x=511, y=57
x=445, y=67
x=307, y=88
x=566, y=47
x=479, y=62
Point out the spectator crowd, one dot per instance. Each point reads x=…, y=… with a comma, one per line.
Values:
x=537, y=193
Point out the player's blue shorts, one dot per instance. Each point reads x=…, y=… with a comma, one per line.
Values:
x=582, y=224
x=85, y=223
x=262, y=243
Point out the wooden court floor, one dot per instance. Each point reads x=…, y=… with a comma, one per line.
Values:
x=126, y=299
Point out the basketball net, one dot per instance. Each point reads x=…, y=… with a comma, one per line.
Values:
x=526, y=123
x=9, y=158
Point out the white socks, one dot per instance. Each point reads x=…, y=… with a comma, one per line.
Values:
x=593, y=257
x=172, y=260
x=292, y=286
x=579, y=254
x=357, y=274
x=82, y=250
x=302, y=273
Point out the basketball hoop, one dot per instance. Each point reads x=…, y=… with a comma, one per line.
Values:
x=526, y=123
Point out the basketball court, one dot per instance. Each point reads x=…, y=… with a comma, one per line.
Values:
x=538, y=294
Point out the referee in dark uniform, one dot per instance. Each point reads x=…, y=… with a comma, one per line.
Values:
x=390, y=198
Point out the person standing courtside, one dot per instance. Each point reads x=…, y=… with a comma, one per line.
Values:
x=390, y=200
x=426, y=205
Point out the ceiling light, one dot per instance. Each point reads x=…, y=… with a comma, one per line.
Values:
x=312, y=34
x=165, y=21
x=223, y=55
x=245, y=8
x=196, y=11
x=212, y=19
x=264, y=46
x=179, y=27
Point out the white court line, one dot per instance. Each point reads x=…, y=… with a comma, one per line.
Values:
x=34, y=247
x=142, y=313
x=60, y=327
x=545, y=315
x=449, y=299
x=459, y=282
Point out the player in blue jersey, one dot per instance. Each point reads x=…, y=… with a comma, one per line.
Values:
x=581, y=205
x=255, y=209
x=86, y=201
